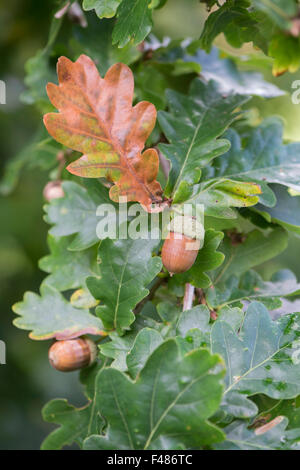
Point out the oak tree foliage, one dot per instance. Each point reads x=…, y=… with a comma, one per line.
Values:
x=166, y=124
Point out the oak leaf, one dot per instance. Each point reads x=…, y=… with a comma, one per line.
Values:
x=96, y=118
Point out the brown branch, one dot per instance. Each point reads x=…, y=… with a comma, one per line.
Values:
x=188, y=298
x=156, y=285
x=202, y=300
x=200, y=296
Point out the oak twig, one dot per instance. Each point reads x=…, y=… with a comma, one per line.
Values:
x=150, y=296
x=188, y=296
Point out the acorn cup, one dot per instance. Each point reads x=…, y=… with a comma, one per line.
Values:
x=182, y=244
x=53, y=190
x=72, y=354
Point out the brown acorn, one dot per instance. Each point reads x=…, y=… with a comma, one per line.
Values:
x=179, y=252
x=72, y=354
x=53, y=190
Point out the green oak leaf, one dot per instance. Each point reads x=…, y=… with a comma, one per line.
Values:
x=283, y=61
x=279, y=11
x=146, y=341
x=88, y=376
x=74, y=424
x=118, y=347
x=150, y=85
x=234, y=20
x=82, y=298
x=263, y=356
x=157, y=3
x=258, y=21
x=192, y=127
x=208, y=259
x=76, y=213
x=256, y=249
x=236, y=405
x=193, y=328
x=96, y=41
x=241, y=23
x=187, y=57
x=134, y=17
x=287, y=210
x=288, y=306
x=39, y=72
x=197, y=317
x=168, y=312
x=194, y=325
x=51, y=316
x=260, y=156
x=171, y=56
x=126, y=268
x=234, y=316
x=223, y=70
x=151, y=412
x=68, y=269
x=134, y=22
x=218, y=197
x=250, y=286
x=239, y=437
x=103, y=8
x=40, y=152
x=235, y=337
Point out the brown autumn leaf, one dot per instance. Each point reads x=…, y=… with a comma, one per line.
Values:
x=96, y=118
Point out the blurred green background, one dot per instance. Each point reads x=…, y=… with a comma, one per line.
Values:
x=27, y=382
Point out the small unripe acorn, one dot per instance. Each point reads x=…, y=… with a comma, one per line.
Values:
x=179, y=252
x=72, y=354
x=53, y=190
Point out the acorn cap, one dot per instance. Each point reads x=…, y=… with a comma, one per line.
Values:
x=188, y=226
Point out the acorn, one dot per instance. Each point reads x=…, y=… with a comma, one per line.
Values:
x=179, y=252
x=53, y=190
x=184, y=239
x=72, y=354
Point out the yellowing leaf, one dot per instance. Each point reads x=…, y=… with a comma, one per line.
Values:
x=96, y=118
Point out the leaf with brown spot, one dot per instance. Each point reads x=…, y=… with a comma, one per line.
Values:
x=96, y=118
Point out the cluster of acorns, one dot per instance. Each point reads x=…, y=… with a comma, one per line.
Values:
x=179, y=252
